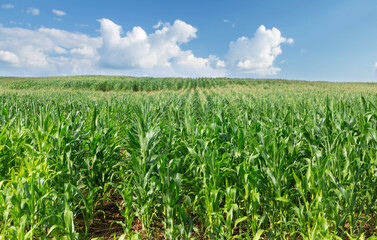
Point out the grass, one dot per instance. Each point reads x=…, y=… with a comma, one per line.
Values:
x=187, y=158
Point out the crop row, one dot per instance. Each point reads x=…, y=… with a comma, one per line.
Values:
x=202, y=164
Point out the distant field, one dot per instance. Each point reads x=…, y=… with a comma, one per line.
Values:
x=121, y=83
x=151, y=158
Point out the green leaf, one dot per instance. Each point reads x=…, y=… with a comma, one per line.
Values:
x=258, y=235
x=239, y=220
x=282, y=199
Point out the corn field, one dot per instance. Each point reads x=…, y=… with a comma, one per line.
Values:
x=187, y=159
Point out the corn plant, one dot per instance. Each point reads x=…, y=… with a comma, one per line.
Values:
x=211, y=158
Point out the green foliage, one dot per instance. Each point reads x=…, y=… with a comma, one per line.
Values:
x=265, y=159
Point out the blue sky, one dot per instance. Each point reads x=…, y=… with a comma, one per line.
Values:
x=294, y=39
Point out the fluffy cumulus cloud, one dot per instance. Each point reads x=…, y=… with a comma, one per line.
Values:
x=47, y=51
x=158, y=50
x=58, y=12
x=257, y=54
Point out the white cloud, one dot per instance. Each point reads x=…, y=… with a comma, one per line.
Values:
x=158, y=25
x=9, y=58
x=33, y=11
x=137, y=49
x=375, y=68
x=7, y=6
x=256, y=55
x=58, y=12
x=290, y=41
x=158, y=50
x=48, y=51
x=188, y=65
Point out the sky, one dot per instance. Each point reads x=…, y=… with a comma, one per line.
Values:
x=333, y=40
